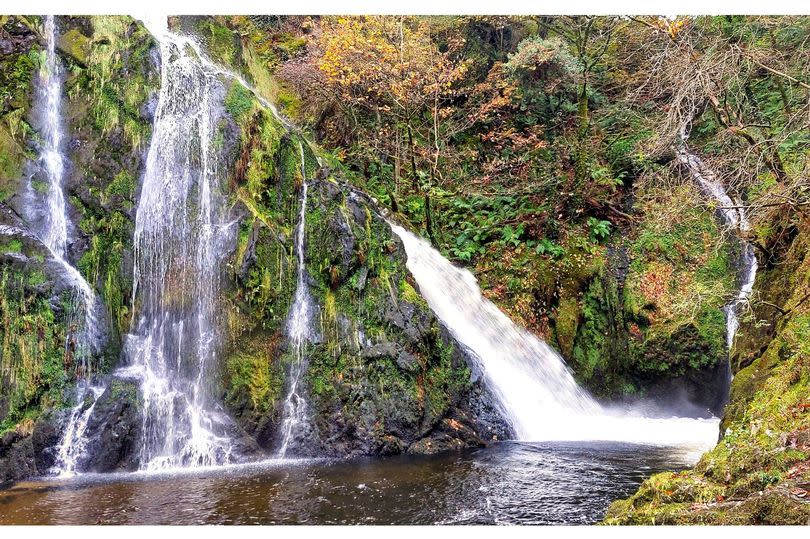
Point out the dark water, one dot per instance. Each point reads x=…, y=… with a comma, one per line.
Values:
x=508, y=483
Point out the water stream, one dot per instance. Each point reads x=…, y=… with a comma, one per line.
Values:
x=298, y=327
x=84, y=326
x=73, y=443
x=52, y=224
x=530, y=383
x=732, y=216
x=181, y=238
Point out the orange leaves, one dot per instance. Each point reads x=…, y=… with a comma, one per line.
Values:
x=390, y=61
x=655, y=283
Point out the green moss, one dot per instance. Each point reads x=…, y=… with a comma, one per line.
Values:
x=117, y=79
x=566, y=324
x=290, y=45
x=76, y=44
x=11, y=160
x=16, y=76
x=110, y=236
x=33, y=358
x=256, y=377
x=408, y=293
x=122, y=185
x=122, y=390
x=679, y=281
x=36, y=278
x=239, y=101
x=220, y=40
x=762, y=456
x=12, y=246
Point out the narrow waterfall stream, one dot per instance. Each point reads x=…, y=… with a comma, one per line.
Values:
x=529, y=381
x=84, y=325
x=181, y=233
x=298, y=327
x=733, y=216
x=53, y=226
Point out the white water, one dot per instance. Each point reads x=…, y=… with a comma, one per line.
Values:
x=74, y=443
x=298, y=327
x=54, y=230
x=53, y=226
x=733, y=216
x=158, y=27
x=181, y=239
x=529, y=381
x=84, y=327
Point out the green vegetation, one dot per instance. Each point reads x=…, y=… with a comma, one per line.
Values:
x=35, y=359
x=537, y=151
x=117, y=78
x=256, y=379
x=756, y=473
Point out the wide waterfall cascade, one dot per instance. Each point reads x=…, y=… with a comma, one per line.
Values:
x=733, y=216
x=298, y=328
x=182, y=234
x=530, y=383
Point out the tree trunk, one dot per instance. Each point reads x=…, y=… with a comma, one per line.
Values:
x=415, y=178
x=429, y=219
x=583, y=110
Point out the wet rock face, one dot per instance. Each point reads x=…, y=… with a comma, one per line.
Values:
x=385, y=376
x=115, y=429
x=29, y=454
x=16, y=457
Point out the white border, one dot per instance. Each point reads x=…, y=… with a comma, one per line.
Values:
x=423, y=7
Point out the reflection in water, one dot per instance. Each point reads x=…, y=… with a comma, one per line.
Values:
x=508, y=483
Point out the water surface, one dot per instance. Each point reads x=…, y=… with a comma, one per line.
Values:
x=507, y=483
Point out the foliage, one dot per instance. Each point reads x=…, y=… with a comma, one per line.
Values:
x=34, y=360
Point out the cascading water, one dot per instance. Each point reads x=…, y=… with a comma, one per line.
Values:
x=53, y=224
x=298, y=327
x=74, y=442
x=181, y=239
x=733, y=216
x=54, y=231
x=530, y=383
x=84, y=326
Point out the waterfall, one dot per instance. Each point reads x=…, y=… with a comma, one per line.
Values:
x=53, y=224
x=84, y=327
x=54, y=234
x=73, y=443
x=733, y=216
x=530, y=383
x=181, y=239
x=295, y=406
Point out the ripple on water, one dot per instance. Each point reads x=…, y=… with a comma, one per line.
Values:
x=507, y=483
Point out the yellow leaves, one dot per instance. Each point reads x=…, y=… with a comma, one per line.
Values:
x=671, y=27
x=390, y=61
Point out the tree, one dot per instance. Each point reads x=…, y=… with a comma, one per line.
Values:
x=396, y=87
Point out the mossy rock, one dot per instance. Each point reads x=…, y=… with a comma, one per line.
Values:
x=75, y=44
